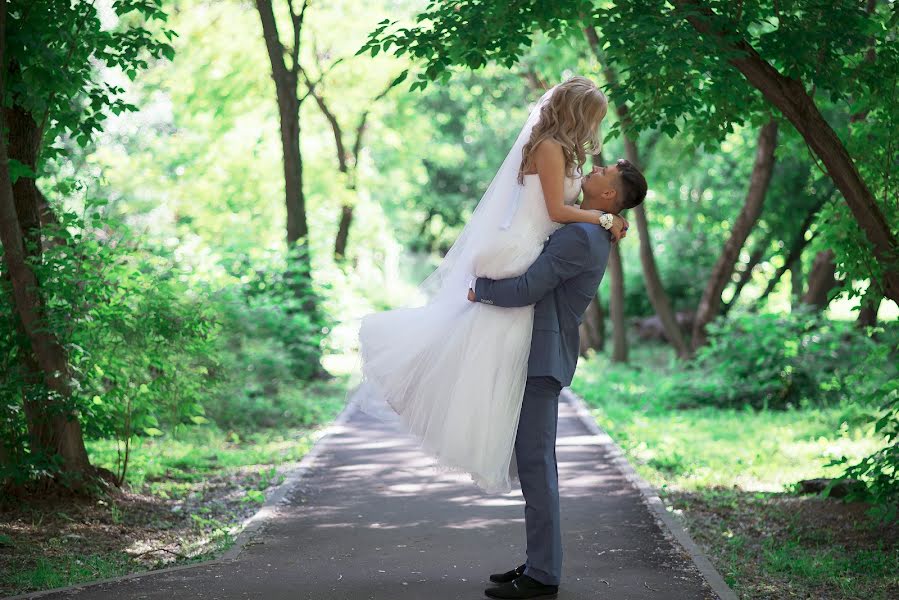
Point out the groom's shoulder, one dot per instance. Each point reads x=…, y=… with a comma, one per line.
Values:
x=592, y=232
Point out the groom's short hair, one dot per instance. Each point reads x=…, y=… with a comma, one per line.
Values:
x=633, y=184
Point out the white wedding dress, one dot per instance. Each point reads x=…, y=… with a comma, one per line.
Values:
x=454, y=370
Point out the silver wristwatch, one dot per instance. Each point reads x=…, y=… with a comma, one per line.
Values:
x=605, y=220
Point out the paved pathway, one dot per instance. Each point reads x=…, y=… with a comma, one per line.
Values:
x=368, y=521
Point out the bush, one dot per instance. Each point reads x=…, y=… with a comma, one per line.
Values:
x=137, y=337
x=777, y=361
x=153, y=347
x=880, y=470
x=266, y=353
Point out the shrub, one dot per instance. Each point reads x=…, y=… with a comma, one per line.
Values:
x=776, y=361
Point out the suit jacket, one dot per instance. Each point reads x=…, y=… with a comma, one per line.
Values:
x=561, y=283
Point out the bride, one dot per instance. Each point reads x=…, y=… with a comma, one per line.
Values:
x=454, y=371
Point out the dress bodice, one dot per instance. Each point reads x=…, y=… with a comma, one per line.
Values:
x=571, y=187
x=531, y=216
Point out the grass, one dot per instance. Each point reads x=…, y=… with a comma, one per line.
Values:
x=49, y=573
x=186, y=496
x=697, y=448
x=729, y=473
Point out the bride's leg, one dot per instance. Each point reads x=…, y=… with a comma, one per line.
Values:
x=535, y=453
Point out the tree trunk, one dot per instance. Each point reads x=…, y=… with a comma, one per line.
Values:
x=654, y=288
x=299, y=269
x=616, y=306
x=793, y=260
x=867, y=312
x=65, y=439
x=746, y=276
x=821, y=280
x=790, y=96
x=347, y=161
x=286, y=81
x=343, y=232
x=24, y=143
x=746, y=220
x=796, y=281
x=592, y=330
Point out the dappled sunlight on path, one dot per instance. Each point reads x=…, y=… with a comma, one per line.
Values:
x=372, y=520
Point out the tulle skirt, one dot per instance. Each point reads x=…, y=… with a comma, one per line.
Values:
x=454, y=371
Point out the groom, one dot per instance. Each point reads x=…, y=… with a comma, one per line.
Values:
x=561, y=283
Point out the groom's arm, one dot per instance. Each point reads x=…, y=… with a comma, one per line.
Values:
x=566, y=255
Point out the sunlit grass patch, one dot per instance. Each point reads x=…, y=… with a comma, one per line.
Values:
x=694, y=448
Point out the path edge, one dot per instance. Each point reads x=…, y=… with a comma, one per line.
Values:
x=250, y=527
x=651, y=498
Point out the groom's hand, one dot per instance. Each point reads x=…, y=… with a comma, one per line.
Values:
x=619, y=228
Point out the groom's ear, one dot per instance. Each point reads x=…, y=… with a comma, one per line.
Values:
x=611, y=193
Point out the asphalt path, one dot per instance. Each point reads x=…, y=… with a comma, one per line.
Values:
x=369, y=520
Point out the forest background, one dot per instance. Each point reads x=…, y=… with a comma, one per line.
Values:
x=202, y=198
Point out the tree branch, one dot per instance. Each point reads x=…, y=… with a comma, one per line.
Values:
x=342, y=163
x=360, y=129
x=297, y=21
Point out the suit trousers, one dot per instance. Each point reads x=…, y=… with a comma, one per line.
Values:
x=535, y=455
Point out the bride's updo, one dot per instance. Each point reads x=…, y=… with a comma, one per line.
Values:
x=571, y=117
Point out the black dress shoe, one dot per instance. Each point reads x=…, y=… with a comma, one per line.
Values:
x=521, y=588
x=507, y=576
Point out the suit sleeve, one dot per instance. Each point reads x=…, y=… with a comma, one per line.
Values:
x=566, y=255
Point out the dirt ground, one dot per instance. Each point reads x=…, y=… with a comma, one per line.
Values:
x=54, y=541
x=784, y=546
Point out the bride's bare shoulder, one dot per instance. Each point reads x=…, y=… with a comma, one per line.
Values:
x=547, y=151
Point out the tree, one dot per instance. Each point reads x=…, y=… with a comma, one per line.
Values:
x=346, y=148
x=654, y=288
x=821, y=280
x=616, y=306
x=742, y=64
x=55, y=93
x=758, y=253
x=794, y=101
x=53, y=425
x=762, y=169
x=592, y=330
x=800, y=241
x=286, y=81
x=299, y=271
x=867, y=312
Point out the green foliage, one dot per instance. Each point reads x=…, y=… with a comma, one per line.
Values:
x=266, y=351
x=475, y=123
x=674, y=79
x=879, y=470
x=153, y=350
x=58, y=50
x=776, y=361
x=836, y=388
x=137, y=337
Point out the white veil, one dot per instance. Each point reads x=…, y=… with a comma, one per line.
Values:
x=448, y=283
x=494, y=211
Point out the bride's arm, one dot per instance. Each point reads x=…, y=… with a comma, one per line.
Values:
x=550, y=163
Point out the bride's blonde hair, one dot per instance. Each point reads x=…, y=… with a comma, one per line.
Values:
x=571, y=117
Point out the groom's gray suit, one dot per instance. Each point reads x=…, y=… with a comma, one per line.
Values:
x=561, y=283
